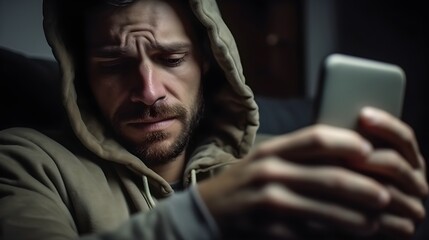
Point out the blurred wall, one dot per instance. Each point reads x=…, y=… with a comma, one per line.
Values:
x=320, y=38
x=21, y=27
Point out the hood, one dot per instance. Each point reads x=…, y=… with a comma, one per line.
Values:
x=232, y=125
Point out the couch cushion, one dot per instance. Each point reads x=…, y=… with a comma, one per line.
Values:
x=29, y=91
x=278, y=116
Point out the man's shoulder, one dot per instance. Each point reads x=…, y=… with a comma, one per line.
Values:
x=37, y=151
x=27, y=140
x=30, y=141
x=21, y=134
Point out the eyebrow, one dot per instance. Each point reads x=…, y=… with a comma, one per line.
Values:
x=118, y=51
x=172, y=47
x=108, y=51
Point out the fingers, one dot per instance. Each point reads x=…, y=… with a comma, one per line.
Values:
x=395, y=132
x=406, y=206
x=394, y=168
x=306, y=188
x=329, y=195
x=276, y=197
x=395, y=227
x=316, y=142
x=330, y=183
x=347, y=149
x=278, y=177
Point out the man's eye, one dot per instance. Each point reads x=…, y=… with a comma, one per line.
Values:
x=114, y=66
x=174, y=60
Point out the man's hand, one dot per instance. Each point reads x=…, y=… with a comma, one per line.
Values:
x=400, y=166
x=283, y=184
x=323, y=177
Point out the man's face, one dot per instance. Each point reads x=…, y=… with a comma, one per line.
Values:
x=145, y=74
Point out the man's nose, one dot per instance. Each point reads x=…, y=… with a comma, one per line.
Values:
x=150, y=87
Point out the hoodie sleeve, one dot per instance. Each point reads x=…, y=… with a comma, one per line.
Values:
x=34, y=203
x=182, y=216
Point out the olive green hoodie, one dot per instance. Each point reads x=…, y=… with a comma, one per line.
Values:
x=81, y=181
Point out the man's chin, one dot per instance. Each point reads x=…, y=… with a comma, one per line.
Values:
x=156, y=148
x=138, y=137
x=151, y=141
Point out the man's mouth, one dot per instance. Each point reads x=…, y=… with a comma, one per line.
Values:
x=151, y=124
x=146, y=119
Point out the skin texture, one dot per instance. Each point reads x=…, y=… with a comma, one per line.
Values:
x=316, y=181
x=145, y=74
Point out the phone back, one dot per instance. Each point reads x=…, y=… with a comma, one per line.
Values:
x=349, y=83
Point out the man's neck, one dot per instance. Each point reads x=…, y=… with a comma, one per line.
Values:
x=171, y=171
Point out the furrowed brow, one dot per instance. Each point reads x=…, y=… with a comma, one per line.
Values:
x=109, y=51
x=172, y=47
x=118, y=51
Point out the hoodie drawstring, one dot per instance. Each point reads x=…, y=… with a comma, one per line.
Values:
x=147, y=191
x=193, y=177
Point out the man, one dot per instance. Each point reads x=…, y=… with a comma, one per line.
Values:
x=152, y=113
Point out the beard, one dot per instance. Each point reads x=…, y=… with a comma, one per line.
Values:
x=149, y=148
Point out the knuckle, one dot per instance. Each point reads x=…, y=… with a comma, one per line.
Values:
x=398, y=165
x=391, y=154
x=395, y=158
x=318, y=135
x=266, y=169
x=262, y=150
x=269, y=195
x=337, y=178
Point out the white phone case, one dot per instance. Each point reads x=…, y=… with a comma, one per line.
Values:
x=350, y=83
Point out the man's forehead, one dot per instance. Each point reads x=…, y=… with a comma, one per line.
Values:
x=157, y=18
x=118, y=51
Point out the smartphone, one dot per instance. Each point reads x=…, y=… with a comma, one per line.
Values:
x=348, y=83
